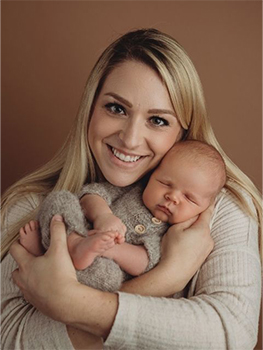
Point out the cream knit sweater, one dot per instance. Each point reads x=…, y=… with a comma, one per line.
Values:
x=219, y=310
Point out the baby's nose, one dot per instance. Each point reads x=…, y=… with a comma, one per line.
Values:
x=172, y=197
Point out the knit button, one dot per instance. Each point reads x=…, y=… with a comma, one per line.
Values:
x=156, y=221
x=139, y=229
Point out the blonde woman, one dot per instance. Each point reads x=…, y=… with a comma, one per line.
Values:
x=142, y=96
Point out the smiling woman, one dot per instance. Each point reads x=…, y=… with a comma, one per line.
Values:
x=142, y=97
x=131, y=128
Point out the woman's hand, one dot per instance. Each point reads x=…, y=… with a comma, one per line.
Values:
x=185, y=247
x=48, y=281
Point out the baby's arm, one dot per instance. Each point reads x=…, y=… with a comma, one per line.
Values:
x=133, y=259
x=99, y=213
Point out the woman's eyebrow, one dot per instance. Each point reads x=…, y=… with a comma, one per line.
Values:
x=129, y=104
x=118, y=97
x=161, y=111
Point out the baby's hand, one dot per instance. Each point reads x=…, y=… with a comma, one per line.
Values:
x=110, y=222
x=117, y=237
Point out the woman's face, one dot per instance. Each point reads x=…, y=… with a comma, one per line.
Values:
x=133, y=124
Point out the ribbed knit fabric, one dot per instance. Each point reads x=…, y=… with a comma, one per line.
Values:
x=220, y=311
x=22, y=326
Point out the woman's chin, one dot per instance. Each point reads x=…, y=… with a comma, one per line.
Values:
x=121, y=180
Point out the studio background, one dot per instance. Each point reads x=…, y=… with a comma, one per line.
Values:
x=49, y=48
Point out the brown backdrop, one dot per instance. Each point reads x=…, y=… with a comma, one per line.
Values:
x=48, y=49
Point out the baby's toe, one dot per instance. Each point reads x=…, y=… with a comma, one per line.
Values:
x=22, y=232
x=32, y=225
x=27, y=228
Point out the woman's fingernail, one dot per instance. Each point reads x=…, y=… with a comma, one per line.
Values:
x=57, y=217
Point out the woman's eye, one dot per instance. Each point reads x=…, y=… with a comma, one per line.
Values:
x=158, y=121
x=115, y=108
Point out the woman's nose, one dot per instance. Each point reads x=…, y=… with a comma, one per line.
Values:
x=132, y=134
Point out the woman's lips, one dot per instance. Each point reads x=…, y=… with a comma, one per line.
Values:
x=127, y=158
x=124, y=160
x=164, y=209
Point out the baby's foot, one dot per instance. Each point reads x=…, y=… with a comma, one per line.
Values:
x=83, y=250
x=30, y=238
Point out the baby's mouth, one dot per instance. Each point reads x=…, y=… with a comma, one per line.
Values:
x=124, y=157
x=164, y=209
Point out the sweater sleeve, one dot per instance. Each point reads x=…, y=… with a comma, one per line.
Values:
x=105, y=190
x=24, y=327
x=222, y=307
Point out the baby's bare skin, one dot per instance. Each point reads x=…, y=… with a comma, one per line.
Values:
x=29, y=237
x=83, y=250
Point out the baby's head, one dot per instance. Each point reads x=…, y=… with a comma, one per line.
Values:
x=186, y=182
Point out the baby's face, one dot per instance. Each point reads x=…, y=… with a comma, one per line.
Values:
x=178, y=191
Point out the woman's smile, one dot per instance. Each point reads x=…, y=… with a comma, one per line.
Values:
x=124, y=159
x=127, y=158
x=133, y=124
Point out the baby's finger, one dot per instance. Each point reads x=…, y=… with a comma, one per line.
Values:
x=120, y=238
x=113, y=234
x=92, y=232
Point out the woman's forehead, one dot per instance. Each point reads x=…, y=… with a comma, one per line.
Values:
x=136, y=81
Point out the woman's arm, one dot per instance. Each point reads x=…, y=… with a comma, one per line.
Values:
x=222, y=310
x=53, y=274
x=184, y=248
x=222, y=306
x=49, y=283
x=22, y=326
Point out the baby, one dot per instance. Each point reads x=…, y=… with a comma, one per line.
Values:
x=185, y=184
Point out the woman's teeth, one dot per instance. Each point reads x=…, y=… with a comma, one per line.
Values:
x=123, y=157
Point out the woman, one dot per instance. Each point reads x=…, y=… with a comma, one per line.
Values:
x=142, y=96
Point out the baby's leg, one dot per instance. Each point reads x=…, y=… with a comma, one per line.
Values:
x=83, y=250
x=65, y=204
x=30, y=238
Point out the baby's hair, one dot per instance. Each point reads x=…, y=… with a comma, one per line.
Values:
x=204, y=155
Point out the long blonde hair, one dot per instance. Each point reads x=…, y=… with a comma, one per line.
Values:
x=165, y=55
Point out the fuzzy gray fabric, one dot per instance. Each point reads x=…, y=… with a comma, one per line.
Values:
x=67, y=205
x=126, y=203
x=219, y=308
